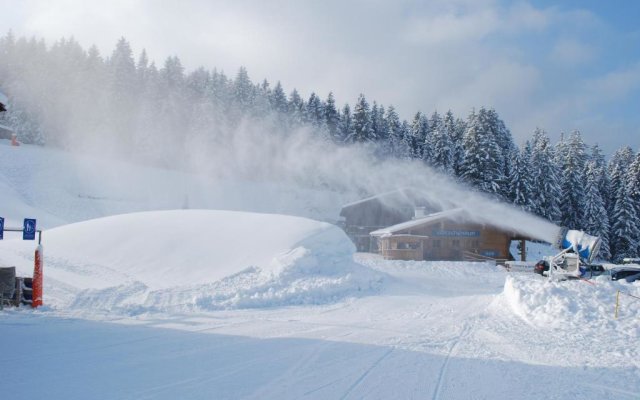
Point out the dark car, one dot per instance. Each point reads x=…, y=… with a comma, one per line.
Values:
x=629, y=274
x=540, y=267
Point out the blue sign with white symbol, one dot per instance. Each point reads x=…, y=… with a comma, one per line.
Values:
x=29, y=229
x=1, y=228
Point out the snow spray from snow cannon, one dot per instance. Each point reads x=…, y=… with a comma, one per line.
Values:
x=583, y=244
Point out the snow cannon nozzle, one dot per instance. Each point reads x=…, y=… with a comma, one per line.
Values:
x=583, y=244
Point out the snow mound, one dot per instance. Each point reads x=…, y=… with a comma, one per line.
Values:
x=202, y=260
x=585, y=305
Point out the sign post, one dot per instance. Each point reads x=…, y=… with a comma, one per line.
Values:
x=29, y=230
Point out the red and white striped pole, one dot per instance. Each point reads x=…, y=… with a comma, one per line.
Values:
x=37, y=278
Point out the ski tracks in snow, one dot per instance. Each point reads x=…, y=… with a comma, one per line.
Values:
x=364, y=375
x=464, y=333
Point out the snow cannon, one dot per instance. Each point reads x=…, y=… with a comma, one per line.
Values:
x=576, y=246
x=583, y=244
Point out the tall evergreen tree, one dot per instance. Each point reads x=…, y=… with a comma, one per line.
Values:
x=617, y=170
x=419, y=130
x=296, y=108
x=482, y=166
x=633, y=184
x=362, y=121
x=123, y=92
x=624, y=226
x=455, y=134
x=594, y=214
x=545, y=182
x=520, y=178
x=346, y=129
x=441, y=146
x=397, y=142
x=332, y=118
x=572, y=186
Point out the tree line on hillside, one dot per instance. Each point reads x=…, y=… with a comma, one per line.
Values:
x=66, y=96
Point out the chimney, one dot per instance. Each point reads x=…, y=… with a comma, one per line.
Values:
x=419, y=212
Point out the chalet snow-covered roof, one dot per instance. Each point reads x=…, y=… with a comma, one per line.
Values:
x=376, y=197
x=417, y=222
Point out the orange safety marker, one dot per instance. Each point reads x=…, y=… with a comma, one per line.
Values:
x=14, y=140
x=37, y=278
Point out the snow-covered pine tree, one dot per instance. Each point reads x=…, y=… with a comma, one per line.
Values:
x=545, y=183
x=419, y=130
x=243, y=94
x=441, y=147
x=405, y=151
x=314, y=111
x=398, y=147
x=362, y=121
x=572, y=186
x=594, y=214
x=375, y=121
x=455, y=134
x=332, y=118
x=278, y=100
x=633, y=183
x=123, y=94
x=345, y=128
x=482, y=166
x=520, y=178
x=624, y=225
x=617, y=169
x=296, y=108
x=600, y=168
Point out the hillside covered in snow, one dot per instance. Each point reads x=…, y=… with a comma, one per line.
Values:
x=167, y=285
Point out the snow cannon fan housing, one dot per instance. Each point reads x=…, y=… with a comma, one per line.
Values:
x=583, y=244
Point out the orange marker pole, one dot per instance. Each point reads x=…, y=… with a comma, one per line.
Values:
x=37, y=278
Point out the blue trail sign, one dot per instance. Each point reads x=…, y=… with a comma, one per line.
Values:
x=1, y=228
x=29, y=229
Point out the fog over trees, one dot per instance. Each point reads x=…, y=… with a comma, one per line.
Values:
x=62, y=95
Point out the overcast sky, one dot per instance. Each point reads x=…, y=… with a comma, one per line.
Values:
x=573, y=66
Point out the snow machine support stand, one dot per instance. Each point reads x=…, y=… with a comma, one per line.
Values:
x=38, y=273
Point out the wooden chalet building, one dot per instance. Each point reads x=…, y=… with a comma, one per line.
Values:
x=445, y=235
x=362, y=217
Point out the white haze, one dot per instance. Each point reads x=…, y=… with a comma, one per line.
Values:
x=301, y=159
x=222, y=142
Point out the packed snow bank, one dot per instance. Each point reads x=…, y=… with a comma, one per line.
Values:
x=584, y=305
x=198, y=259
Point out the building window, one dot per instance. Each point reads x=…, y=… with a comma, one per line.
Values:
x=407, y=245
x=456, y=243
x=436, y=243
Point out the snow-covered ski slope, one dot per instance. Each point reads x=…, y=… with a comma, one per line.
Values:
x=203, y=304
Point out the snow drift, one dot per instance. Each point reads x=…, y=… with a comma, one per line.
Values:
x=582, y=305
x=200, y=260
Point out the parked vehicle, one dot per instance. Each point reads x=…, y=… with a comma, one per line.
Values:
x=629, y=273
